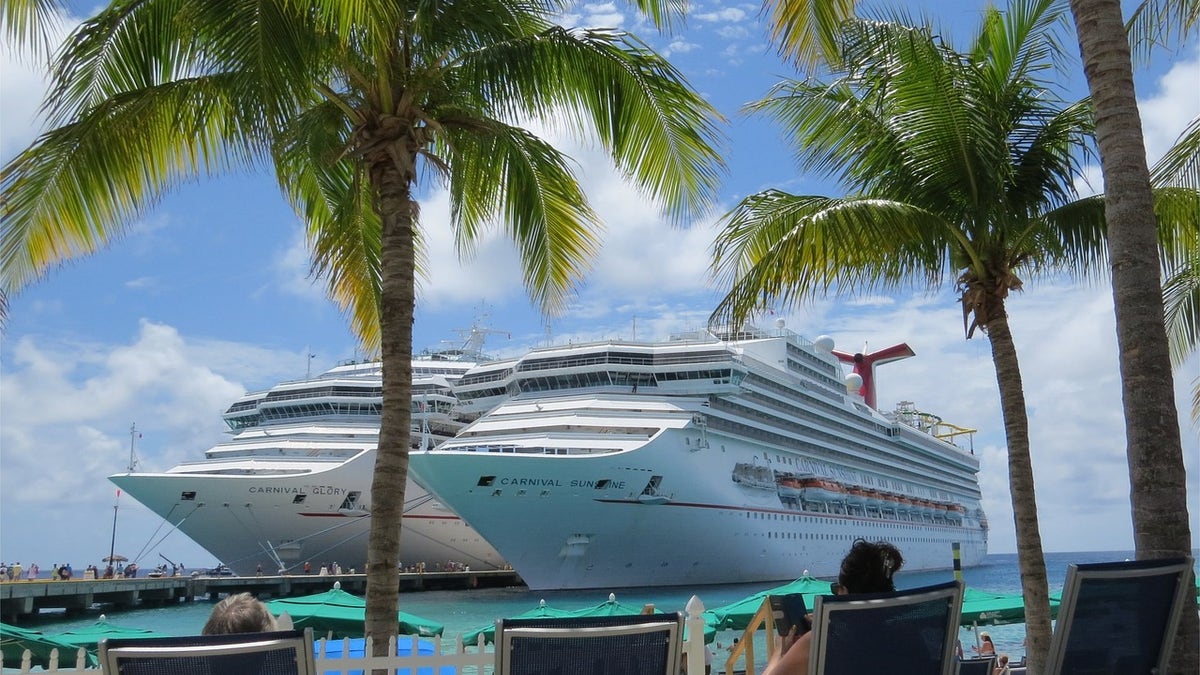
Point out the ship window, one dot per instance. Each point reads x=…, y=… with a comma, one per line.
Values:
x=298, y=499
x=602, y=483
x=486, y=481
x=187, y=496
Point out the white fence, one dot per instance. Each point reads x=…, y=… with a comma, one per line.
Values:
x=472, y=659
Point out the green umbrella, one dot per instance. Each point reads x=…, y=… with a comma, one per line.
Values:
x=542, y=611
x=736, y=615
x=984, y=608
x=342, y=613
x=15, y=640
x=608, y=608
x=90, y=636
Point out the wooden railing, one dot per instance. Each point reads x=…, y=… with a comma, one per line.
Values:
x=743, y=651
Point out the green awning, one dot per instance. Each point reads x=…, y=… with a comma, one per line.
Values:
x=984, y=608
x=542, y=611
x=89, y=637
x=736, y=615
x=14, y=640
x=342, y=613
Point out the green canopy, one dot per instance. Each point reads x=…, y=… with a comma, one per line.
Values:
x=736, y=615
x=90, y=636
x=342, y=613
x=609, y=608
x=984, y=608
x=542, y=611
x=15, y=640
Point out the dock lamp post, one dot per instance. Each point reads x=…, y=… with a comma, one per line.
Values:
x=112, y=545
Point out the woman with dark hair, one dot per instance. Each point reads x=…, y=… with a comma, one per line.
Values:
x=867, y=568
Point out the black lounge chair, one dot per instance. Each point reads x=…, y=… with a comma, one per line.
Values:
x=1119, y=617
x=911, y=632
x=639, y=644
x=275, y=653
x=981, y=666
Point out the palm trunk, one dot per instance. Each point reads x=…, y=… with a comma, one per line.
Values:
x=1030, y=558
x=398, y=214
x=1158, y=489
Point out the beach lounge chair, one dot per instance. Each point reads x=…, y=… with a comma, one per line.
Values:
x=1119, y=617
x=639, y=644
x=980, y=666
x=901, y=633
x=277, y=653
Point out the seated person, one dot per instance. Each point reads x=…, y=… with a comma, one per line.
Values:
x=986, y=646
x=240, y=613
x=867, y=568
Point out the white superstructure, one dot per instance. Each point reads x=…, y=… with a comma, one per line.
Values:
x=703, y=459
x=293, y=484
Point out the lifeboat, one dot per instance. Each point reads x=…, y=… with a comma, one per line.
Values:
x=754, y=476
x=856, y=495
x=789, y=487
x=822, y=490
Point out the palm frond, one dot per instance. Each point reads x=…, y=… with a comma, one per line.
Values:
x=1181, y=165
x=69, y=194
x=30, y=22
x=334, y=199
x=659, y=132
x=1181, y=301
x=780, y=248
x=1159, y=23
x=502, y=173
x=806, y=31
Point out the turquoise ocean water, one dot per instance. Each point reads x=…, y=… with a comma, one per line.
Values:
x=463, y=611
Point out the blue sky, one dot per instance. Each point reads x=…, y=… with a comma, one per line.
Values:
x=208, y=296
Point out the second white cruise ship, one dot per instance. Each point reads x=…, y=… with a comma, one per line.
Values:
x=293, y=484
x=708, y=458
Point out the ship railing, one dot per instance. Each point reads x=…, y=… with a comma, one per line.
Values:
x=476, y=658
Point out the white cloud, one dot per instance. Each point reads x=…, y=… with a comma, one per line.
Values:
x=601, y=15
x=1165, y=112
x=1169, y=110
x=678, y=45
x=724, y=15
x=68, y=407
x=291, y=265
x=24, y=77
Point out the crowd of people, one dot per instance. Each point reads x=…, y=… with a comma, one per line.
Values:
x=65, y=572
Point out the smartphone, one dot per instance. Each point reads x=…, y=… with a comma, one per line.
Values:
x=790, y=610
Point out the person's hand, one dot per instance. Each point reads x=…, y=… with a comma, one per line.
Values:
x=785, y=643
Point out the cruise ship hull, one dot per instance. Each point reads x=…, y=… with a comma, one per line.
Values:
x=584, y=522
x=319, y=514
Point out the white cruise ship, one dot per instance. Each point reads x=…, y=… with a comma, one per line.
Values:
x=705, y=459
x=293, y=485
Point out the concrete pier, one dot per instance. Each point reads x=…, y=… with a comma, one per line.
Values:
x=21, y=598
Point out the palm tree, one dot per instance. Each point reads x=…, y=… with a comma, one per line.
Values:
x=357, y=106
x=959, y=166
x=1153, y=445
